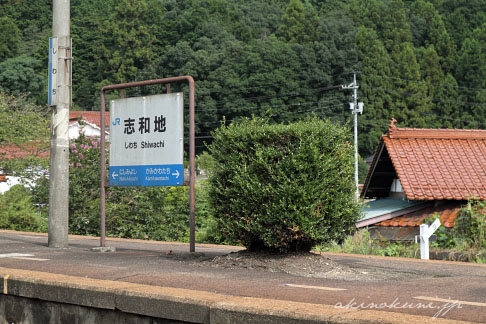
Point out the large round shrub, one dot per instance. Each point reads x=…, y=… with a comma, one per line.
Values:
x=283, y=187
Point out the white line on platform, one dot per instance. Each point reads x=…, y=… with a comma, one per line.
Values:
x=314, y=287
x=32, y=259
x=15, y=255
x=21, y=256
x=451, y=301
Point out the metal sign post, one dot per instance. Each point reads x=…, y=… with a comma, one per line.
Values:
x=167, y=171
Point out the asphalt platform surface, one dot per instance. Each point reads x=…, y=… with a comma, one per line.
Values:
x=435, y=290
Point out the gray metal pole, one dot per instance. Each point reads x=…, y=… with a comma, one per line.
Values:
x=355, y=115
x=355, y=109
x=59, y=153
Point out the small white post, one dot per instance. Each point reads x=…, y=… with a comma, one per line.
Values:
x=424, y=242
x=426, y=232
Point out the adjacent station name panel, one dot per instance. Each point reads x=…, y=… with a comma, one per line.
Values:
x=147, y=141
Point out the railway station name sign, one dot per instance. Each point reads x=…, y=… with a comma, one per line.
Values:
x=147, y=141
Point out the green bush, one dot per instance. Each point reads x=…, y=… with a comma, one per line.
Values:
x=470, y=224
x=445, y=236
x=358, y=243
x=208, y=230
x=84, y=185
x=205, y=162
x=17, y=211
x=156, y=213
x=283, y=187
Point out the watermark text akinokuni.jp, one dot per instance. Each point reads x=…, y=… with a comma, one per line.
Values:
x=441, y=309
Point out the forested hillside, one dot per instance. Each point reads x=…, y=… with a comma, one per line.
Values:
x=422, y=62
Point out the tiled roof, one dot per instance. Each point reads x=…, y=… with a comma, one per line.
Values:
x=10, y=151
x=92, y=117
x=435, y=164
x=448, y=213
x=382, y=209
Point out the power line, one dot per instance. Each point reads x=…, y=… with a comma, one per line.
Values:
x=420, y=81
x=298, y=104
x=409, y=94
x=231, y=109
x=259, y=98
x=331, y=77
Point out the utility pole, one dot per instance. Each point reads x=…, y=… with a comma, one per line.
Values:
x=356, y=107
x=60, y=104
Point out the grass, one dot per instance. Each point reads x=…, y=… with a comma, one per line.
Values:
x=361, y=243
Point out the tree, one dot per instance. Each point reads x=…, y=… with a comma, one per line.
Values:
x=130, y=42
x=461, y=17
x=300, y=23
x=393, y=25
x=28, y=14
x=431, y=70
x=471, y=68
x=471, y=71
x=87, y=22
x=18, y=75
x=449, y=112
x=9, y=38
x=411, y=105
x=428, y=29
x=375, y=87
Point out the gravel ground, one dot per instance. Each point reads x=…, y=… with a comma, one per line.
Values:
x=309, y=265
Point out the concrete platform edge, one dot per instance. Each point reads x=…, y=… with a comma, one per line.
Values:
x=186, y=305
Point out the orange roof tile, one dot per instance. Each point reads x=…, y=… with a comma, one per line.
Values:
x=92, y=117
x=435, y=164
x=11, y=151
x=448, y=213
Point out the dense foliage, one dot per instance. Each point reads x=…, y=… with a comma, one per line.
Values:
x=17, y=211
x=282, y=187
x=157, y=213
x=23, y=126
x=420, y=61
x=470, y=225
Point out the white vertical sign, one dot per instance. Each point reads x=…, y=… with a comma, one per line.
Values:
x=53, y=56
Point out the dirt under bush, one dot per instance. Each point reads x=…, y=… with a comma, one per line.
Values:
x=311, y=265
